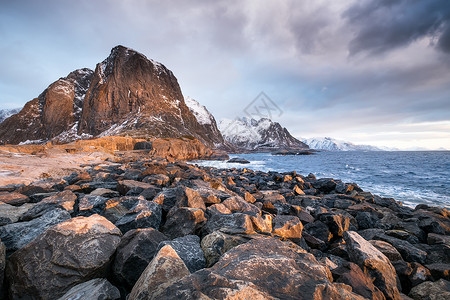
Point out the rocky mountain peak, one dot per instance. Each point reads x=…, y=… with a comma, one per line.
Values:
x=263, y=135
x=127, y=94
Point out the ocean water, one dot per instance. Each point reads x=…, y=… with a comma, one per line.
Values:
x=410, y=177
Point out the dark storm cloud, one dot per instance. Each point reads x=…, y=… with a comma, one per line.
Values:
x=382, y=25
x=225, y=52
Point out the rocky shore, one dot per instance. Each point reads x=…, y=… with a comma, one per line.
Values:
x=144, y=227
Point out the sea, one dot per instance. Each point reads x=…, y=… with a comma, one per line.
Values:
x=412, y=177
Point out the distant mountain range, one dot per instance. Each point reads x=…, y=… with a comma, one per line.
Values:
x=261, y=135
x=130, y=95
x=330, y=144
x=6, y=113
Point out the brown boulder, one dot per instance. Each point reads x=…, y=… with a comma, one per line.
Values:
x=361, y=283
x=287, y=227
x=263, y=268
x=14, y=198
x=165, y=269
x=63, y=256
x=183, y=221
x=374, y=262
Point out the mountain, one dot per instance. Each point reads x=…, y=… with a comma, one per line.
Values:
x=261, y=135
x=6, y=113
x=55, y=110
x=208, y=122
x=127, y=95
x=330, y=144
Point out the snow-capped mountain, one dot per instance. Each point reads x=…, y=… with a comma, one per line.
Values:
x=208, y=122
x=331, y=144
x=6, y=113
x=258, y=135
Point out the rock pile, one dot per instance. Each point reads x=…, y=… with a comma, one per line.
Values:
x=150, y=228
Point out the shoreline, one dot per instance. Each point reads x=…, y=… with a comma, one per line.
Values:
x=386, y=174
x=201, y=213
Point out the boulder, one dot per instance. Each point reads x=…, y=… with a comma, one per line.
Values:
x=144, y=214
x=218, y=208
x=263, y=268
x=124, y=186
x=165, y=269
x=135, y=251
x=287, y=227
x=439, y=253
x=419, y=274
x=407, y=250
x=360, y=282
x=262, y=223
x=65, y=200
x=374, y=262
x=189, y=198
x=387, y=249
x=319, y=230
x=11, y=214
x=325, y=185
x=434, y=238
x=180, y=197
x=95, y=289
x=14, y=198
x=366, y=220
x=337, y=223
x=313, y=242
x=17, y=235
x=189, y=249
x=90, y=204
x=232, y=223
x=150, y=193
x=238, y=160
x=439, y=270
x=157, y=179
x=107, y=193
x=431, y=290
x=183, y=221
x=238, y=204
x=63, y=256
x=116, y=208
x=217, y=243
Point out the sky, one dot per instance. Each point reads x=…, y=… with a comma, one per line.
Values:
x=367, y=71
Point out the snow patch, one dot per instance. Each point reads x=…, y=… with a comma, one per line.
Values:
x=32, y=142
x=200, y=112
x=330, y=144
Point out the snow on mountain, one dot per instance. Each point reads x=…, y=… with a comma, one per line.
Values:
x=203, y=116
x=258, y=135
x=208, y=123
x=331, y=144
x=6, y=113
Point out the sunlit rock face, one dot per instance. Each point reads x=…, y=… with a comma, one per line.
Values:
x=127, y=95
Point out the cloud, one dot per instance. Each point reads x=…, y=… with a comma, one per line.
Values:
x=225, y=52
x=382, y=25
